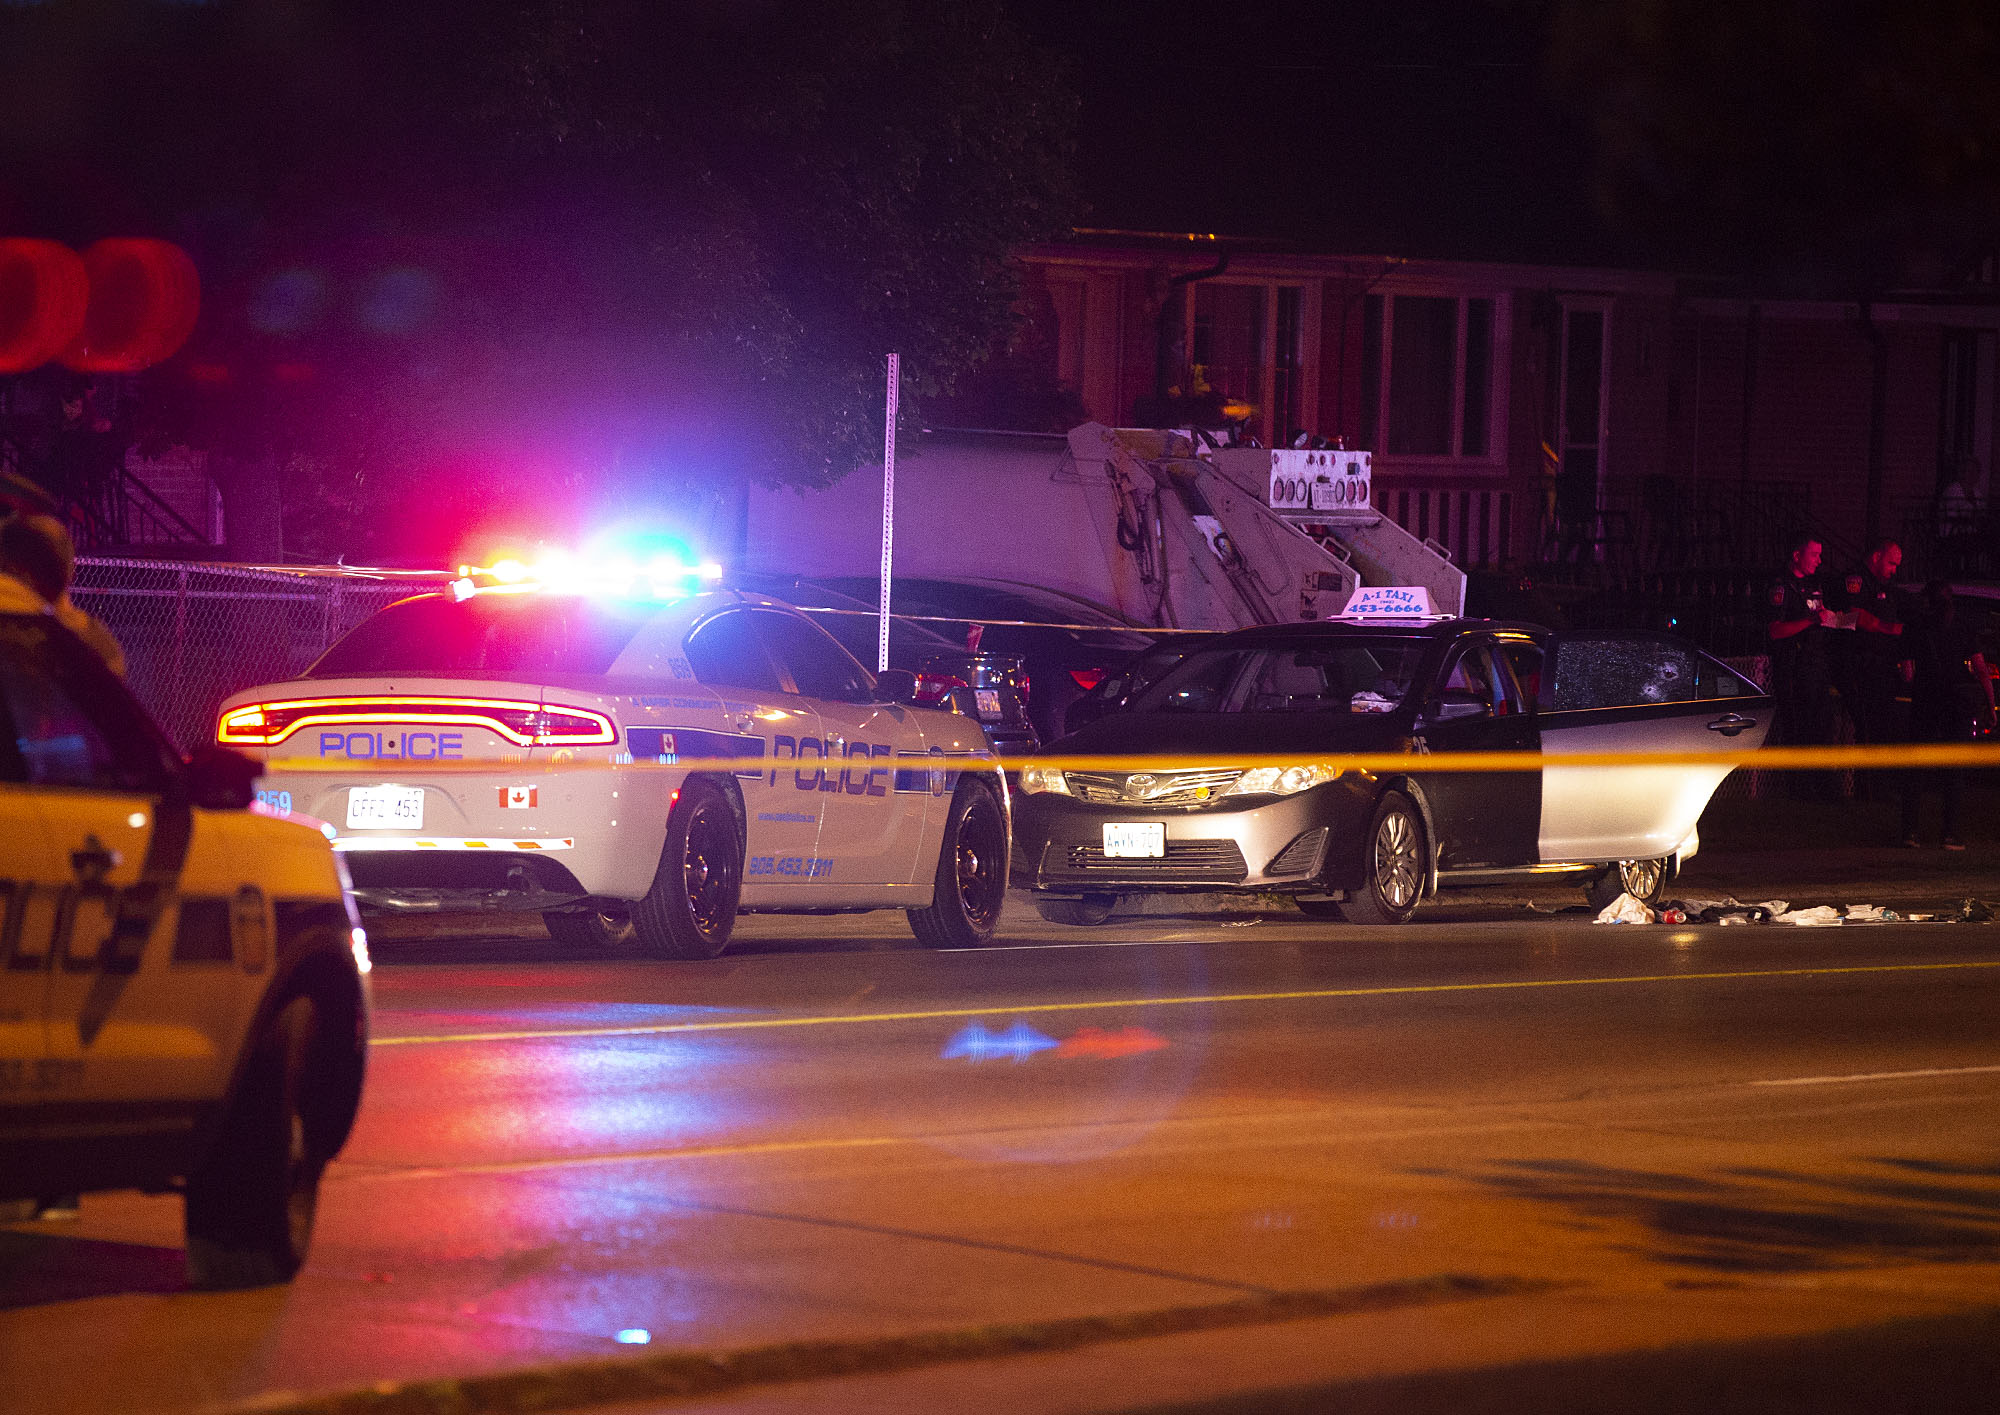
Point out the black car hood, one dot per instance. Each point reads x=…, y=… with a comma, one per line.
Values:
x=1231, y=733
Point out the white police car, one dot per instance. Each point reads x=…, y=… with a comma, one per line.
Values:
x=596, y=757
x=182, y=992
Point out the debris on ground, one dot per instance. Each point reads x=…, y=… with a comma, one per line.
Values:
x=1625, y=910
x=1819, y=916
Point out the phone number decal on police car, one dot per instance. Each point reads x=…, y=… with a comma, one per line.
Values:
x=801, y=866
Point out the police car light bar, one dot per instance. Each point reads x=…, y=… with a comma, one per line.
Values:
x=621, y=576
x=523, y=724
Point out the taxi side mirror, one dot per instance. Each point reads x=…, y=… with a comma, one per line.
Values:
x=896, y=685
x=222, y=780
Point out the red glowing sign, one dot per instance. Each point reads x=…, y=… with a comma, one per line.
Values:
x=123, y=305
x=44, y=290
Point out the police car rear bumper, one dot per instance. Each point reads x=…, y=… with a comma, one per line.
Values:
x=408, y=881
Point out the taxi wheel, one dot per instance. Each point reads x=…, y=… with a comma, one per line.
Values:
x=1091, y=909
x=584, y=928
x=971, y=875
x=1393, y=869
x=250, y=1204
x=1645, y=880
x=691, y=907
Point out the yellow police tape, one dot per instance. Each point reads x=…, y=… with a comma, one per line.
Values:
x=561, y=759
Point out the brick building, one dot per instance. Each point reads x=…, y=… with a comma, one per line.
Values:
x=1682, y=424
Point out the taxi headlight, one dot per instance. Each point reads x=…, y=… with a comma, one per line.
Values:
x=1043, y=778
x=1281, y=780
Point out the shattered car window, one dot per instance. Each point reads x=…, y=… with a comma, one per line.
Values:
x=1603, y=673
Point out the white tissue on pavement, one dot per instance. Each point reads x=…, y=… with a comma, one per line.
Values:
x=1625, y=910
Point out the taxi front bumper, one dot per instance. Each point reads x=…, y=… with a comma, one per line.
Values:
x=1303, y=844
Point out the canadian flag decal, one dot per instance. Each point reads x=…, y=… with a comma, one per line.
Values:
x=517, y=798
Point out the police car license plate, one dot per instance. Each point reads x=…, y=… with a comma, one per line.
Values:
x=1142, y=840
x=385, y=808
x=988, y=701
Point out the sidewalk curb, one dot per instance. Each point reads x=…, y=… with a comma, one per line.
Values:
x=672, y=1374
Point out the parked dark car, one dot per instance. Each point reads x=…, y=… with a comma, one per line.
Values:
x=1062, y=663
x=1368, y=846
x=1117, y=687
x=994, y=686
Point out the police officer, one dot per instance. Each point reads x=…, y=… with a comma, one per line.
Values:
x=1877, y=665
x=36, y=553
x=1801, y=672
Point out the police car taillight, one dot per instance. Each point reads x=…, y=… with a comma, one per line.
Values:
x=523, y=724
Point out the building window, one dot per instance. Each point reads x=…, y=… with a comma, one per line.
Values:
x=1958, y=405
x=1069, y=299
x=1247, y=344
x=1427, y=375
x=1288, y=366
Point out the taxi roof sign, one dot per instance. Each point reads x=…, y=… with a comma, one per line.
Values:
x=1379, y=603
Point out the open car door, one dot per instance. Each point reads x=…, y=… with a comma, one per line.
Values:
x=1636, y=693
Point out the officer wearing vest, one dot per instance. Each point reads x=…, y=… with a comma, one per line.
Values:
x=1878, y=666
x=1801, y=669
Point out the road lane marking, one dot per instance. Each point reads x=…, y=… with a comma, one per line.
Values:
x=341, y=1170
x=748, y=1024
x=1879, y=1076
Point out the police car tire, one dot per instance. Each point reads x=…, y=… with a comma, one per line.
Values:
x=964, y=911
x=1392, y=860
x=1079, y=913
x=1619, y=879
x=251, y=1202
x=667, y=922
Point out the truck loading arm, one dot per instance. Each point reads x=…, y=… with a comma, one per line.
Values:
x=1202, y=551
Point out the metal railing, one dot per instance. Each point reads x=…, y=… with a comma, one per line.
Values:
x=193, y=633
x=118, y=509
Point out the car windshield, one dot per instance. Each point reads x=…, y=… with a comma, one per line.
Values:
x=953, y=600
x=854, y=624
x=437, y=636
x=1358, y=675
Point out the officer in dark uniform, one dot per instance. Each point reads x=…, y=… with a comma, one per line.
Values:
x=1801, y=670
x=1876, y=677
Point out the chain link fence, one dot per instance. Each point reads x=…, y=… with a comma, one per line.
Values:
x=193, y=633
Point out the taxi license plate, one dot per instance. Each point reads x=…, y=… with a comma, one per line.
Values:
x=1146, y=840
x=988, y=701
x=385, y=808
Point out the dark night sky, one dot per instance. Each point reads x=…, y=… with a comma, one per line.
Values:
x=1410, y=127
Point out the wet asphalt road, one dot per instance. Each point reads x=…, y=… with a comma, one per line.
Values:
x=1686, y=1133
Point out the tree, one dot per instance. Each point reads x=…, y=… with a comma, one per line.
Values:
x=527, y=258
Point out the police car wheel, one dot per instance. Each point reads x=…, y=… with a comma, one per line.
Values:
x=971, y=875
x=1645, y=880
x=1393, y=867
x=251, y=1202
x=584, y=928
x=691, y=907
x=1081, y=913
